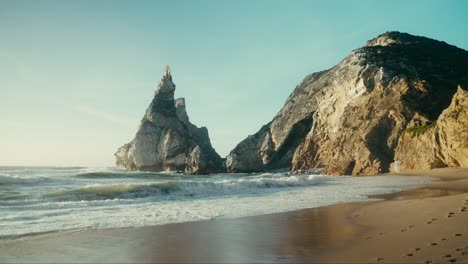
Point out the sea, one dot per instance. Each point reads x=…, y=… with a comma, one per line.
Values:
x=52, y=199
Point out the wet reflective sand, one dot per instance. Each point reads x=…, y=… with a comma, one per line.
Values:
x=287, y=237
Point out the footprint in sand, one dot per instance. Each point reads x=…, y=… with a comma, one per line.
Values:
x=380, y=259
x=407, y=255
x=443, y=239
x=403, y=230
x=457, y=235
x=428, y=261
x=417, y=249
x=428, y=223
x=432, y=244
x=452, y=260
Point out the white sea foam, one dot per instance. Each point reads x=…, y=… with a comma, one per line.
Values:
x=205, y=187
x=74, y=202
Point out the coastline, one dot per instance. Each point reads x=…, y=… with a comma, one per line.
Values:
x=349, y=232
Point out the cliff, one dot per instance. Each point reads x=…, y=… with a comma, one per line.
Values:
x=442, y=143
x=166, y=140
x=349, y=119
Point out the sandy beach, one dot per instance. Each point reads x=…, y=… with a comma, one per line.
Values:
x=425, y=225
x=419, y=225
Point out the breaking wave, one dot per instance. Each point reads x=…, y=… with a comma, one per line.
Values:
x=186, y=188
x=123, y=174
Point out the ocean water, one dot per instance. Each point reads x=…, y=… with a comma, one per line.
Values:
x=48, y=199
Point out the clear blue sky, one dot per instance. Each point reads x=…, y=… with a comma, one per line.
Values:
x=76, y=76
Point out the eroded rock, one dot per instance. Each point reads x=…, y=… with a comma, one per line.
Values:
x=358, y=109
x=442, y=143
x=166, y=140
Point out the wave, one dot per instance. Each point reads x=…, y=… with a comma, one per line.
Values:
x=100, y=175
x=6, y=179
x=186, y=188
x=113, y=175
x=13, y=169
x=11, y=195
x=9, y=175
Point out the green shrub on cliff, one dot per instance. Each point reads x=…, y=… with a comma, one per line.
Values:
x=418, y=130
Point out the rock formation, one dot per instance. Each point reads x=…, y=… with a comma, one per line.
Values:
x=349, y=119
x=442, y=143
x=166, y=140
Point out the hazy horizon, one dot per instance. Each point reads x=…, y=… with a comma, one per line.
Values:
x=78, y=76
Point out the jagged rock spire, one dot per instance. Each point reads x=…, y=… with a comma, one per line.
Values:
x=163, y=101
x=166, y=87
x=167, y=71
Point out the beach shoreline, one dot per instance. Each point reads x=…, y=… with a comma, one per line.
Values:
x=307, y=235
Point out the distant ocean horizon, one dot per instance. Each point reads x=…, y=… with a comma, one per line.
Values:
x=51, y=199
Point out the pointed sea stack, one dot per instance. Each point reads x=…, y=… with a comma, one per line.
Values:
x=166, y=140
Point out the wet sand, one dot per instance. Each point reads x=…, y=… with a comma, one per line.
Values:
x=418, y=225
x=425, y=225
x=284, y=237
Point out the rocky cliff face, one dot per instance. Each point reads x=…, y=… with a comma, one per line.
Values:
x=349, y=119
x=441, y=143
x=166, y=140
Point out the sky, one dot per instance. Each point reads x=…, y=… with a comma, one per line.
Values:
x=77, y=76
